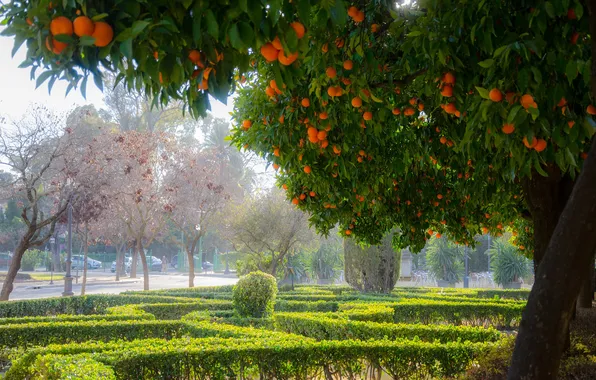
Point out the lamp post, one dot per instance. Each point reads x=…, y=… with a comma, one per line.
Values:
x=68, y=278
x=52, y=245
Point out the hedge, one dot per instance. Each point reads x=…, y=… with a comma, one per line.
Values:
x=457, y=313
x=267, y=358
x=314, y=306
x=139, y=315
x=456, y=298
x=371, y=312
x=91, y=304
x=229, y=317
x=517, y=294
x=326, y=327
x=66, y=367
x=196, y=289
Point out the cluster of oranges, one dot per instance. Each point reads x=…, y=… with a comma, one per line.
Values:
x=356, y=14
x=273, y=51
x=198, y=58
x=446, y=87
x=81, y=26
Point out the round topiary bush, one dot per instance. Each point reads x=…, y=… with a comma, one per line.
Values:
x=254, y=295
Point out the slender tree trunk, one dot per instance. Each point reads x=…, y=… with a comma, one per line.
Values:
x=133, y=264
x=15, y=265
x=86, y=253
x=144, y=262
x=56, y=254
x=584, y=299
x=191, y=268
x=118, y=261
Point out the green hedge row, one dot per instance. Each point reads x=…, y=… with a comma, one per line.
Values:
x=457, y=313
x=328, y=327
x=67, y=367
x=138, y=315
x=274, y=357
x=196, y=289
x=371, y=312
x=314, y=306
x=517, y=294
x=455, y=298
x=92, y=304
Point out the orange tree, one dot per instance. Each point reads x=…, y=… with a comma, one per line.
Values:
x=448, y=116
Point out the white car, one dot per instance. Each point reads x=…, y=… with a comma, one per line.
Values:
x=155, y=264
x=78, y=260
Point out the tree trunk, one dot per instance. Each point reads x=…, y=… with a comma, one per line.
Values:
x=56, y=254
x=191, y=268
x=133, y=264
x=144, y=262
x=542, y=332
x=86, y=253
x=118, y=261
x=15, y=265
x=584, y=299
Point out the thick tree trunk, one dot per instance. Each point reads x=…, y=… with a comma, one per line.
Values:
x=144, y=262
x=542, y=333
x=586, y=294
x=86, y=253
x=15, y=265
x=133, y=264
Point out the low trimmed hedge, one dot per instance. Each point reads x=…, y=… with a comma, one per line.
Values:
x=457, y=313
x=516, y=294
x=66, y=367
x=139, y=315
x=91, y=304
x=266, y=358
x=329, y=327
x=371, y=312
x=314, y=306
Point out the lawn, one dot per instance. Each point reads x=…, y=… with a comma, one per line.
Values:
x=317, y=332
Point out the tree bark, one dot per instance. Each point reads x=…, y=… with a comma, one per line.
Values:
x=542, y=333
x=133, y=264
x=144, y=262
x=86, y=253
x=15, y=265
x=118, y=261
x=586, y=294
x=191, y=269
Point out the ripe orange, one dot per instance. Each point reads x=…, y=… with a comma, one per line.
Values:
x=450, y=108
x=83, y=26
x=307, y=169
x=204, y=85
x=276, y=43
x=409, y=111
x=246, y=124
x=396, y=111
x=421, y=107
x=443, y=140
x=540, y=145
x=155, y=54
x=348, y=65
x=352, y=11
x=339, y=43
x=312, y=194
x=528, y=145
x=510, y=97
x=305, y=102
x=284, y=186
x=194, y=56
x=270, y=92
x=312, y=131
x=324, y=144
x=356, y=102
x=55, y=46
x=348, y=232
x=358, y=17
x=526, y=101
x=323, y=115
x=302, y=197
x=374, y=28
x=276, y=152
x=439, y=196
x=447, y=91
x=321, y=135
x=448, y=78
x=367, y=115
x=103, y=34
x=287, y=60
x=508, y=128
x=495, y=95
x=325, y=48
x=562, y=102
x=331, y=72
x=413, y=101
x=281, y=119
x=571, y=123
x=336, y=149
x=61, y=25
x=295, y=201
x=438, y=235
x=591, y=110
x=298, y=28
x=29, y=22
x=571, y=14
x=574, y=38
x=269, y=52
x=275, y=166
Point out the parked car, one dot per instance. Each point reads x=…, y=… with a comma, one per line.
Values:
x=5, y=260
x=78, y=260
x=155, y=264
x=174, y=262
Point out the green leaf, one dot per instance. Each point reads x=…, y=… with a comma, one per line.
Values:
x=579, y=10
x=84, y=87
x=304, y=10
x=539, y=169
x=274, y=11
x=550, y=10
x=483, y=92
x=235, y=39
x=486, y=63
x=86, y=41
x=243, y=4
x=255, y=11
x=500, y=50
x=18, y=41
x=98, y=81
x=571, y=71
x=415, y=33
x=339, y=15
x=212, y=26
x=291, y=39
x=126, y=48
x=513, y=113
x=570, y=157
x=534, y=112
x=43, y=77
x=64, y=38
x=247, y=34
x=100, y=16
x=138, y=27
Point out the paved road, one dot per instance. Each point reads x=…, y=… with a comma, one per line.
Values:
x=102, y=282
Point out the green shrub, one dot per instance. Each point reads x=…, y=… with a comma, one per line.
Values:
x=176, y=311
x=31, y=259
x=139, y=315
x=329, y=327
x=254, y=295
x=81, y=367
x=321, y=306
x=92, y=304
x=372, y=312
x=517, y=294
x=266, y=357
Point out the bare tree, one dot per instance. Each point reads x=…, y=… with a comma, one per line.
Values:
x=268, y=229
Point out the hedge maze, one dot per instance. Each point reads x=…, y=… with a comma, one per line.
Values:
x=315, y=332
